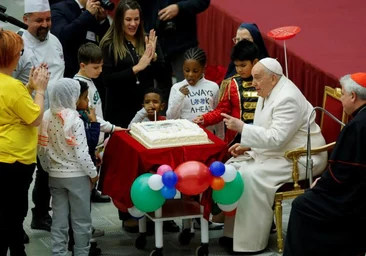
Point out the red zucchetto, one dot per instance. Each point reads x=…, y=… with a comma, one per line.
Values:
x=359, y=78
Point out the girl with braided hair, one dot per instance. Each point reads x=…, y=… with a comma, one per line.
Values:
x=195, y=95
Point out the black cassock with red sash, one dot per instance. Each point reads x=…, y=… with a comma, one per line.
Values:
x=330, y=218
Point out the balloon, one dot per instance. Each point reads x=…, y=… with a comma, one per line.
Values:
x=193, y=178
x=170, y=179
x=164, y=168
x=217, y=183
x=228, y=207
x=155, y=182
x=168, y=192
x=143, y=197
x=229, y=174
x=231, y=213
x=136, y=213
x=217, y=168
x=231, y=192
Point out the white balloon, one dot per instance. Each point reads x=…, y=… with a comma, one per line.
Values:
x=155, y=182
x=228, y=207
x=230, y=173
x=136, y=213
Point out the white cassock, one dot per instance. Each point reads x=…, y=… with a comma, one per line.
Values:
x=280, y=124
x=48, y=51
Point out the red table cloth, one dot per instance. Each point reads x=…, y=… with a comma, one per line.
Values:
x=125, y=159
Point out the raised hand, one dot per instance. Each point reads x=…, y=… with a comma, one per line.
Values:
x=92, y=6
x=91, y=114
x=146, y=57
x=233, y=123
x=169, y=12
x=38, y=78
x=184, y=89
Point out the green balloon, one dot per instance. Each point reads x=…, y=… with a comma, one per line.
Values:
x=143, y=197
x=231, y=192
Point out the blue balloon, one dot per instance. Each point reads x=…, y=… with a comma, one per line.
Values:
x=168, y=193
x=169, y=179
x=217, y=169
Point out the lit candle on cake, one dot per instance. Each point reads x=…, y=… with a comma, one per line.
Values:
x=155, y=115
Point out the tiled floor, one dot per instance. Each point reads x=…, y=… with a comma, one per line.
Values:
x=116, y=242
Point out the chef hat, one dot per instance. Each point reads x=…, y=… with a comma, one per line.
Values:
x=359, y=78
x=272, y=65
x=31, y=6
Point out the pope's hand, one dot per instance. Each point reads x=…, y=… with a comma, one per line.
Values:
x=237, y=150
x=233, y=123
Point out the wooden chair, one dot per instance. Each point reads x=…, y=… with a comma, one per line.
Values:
x=330, y=130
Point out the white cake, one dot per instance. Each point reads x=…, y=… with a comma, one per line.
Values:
x=169, y=133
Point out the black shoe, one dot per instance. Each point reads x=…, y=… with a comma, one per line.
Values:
x=94, y=250
x=170, y=226
x=41, y=223
x=226, y=242
x=25, y=238
x=131, y=227
x=97, y=197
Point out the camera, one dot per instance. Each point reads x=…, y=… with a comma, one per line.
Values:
x=107, y=5
x=166, y=27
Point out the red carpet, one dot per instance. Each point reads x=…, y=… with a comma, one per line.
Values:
x=331, y=42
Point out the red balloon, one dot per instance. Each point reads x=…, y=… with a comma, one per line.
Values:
x=193, y=178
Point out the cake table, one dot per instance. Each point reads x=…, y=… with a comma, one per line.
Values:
x=125, y=159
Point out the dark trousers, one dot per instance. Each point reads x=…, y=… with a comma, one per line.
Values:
x=41, y=193
x=16, y=179
x=310, y=232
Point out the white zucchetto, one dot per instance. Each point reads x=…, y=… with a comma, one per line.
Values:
x=272, y=65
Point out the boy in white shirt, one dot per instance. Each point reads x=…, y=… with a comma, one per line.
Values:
x=91, y=61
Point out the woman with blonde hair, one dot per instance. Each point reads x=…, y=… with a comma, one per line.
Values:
x=19, y=117
x=131, y=63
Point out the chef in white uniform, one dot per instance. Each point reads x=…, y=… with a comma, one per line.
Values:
x=40, y=47
x=280, y=124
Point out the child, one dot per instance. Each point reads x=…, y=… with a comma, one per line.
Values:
x=194, y=95
x=91, y=61
x=92, y=131
x=239, y=98
x=152, y=103
x=63, y=151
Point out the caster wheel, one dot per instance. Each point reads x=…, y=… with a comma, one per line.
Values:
x=157, y=252
x=202, y=250
x=185, y=237
x=140, y=242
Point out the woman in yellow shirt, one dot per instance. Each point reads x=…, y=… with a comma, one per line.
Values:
x=19, y=117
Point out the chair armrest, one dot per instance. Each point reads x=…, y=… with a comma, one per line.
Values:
x=294, y=155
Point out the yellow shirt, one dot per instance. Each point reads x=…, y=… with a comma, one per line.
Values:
x=18, y=139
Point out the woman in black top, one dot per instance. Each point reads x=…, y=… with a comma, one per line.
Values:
x=131, y=63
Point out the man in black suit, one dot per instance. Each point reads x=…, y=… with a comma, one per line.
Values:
x=76, y=22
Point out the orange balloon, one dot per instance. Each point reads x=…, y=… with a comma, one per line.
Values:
x=231, y=213
x=217, y=183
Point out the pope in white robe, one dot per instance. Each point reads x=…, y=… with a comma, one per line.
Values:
x=280, y=124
